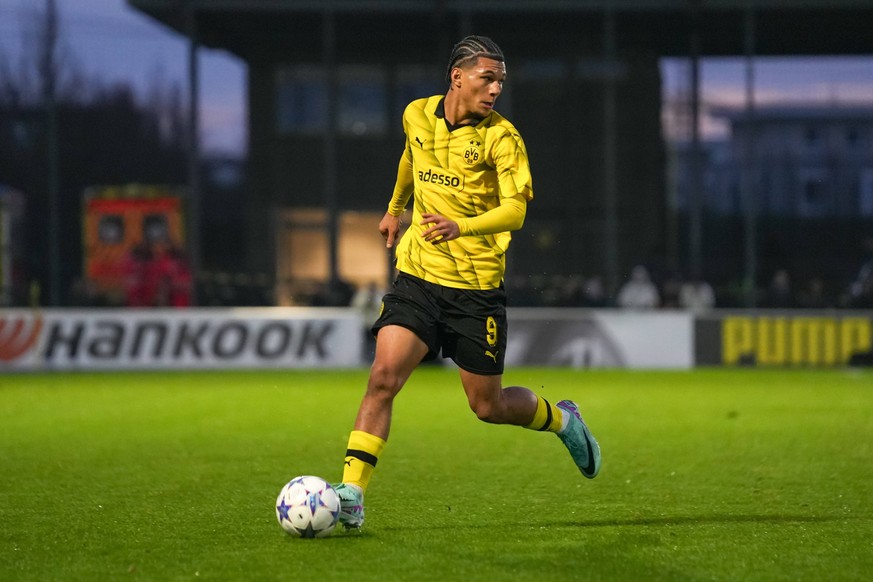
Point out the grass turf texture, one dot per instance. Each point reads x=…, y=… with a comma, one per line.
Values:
x=710, y=474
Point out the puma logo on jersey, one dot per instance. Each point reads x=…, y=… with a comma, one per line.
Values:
x=420, y=143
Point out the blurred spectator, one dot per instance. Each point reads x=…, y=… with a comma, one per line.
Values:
x=671, y=291
x=368, y=300
x=862, y=295
x=571, y=291
x=779, y=293
x=335, y=293
x=639, y=292
x=696, y=295
x=178, y=277
x=137, y=283
x=861, y=289
x=550, y=292
x=157, y=278
x=813, y=296
x=225, y=291
x=594, y=293
x=562, y=291
x=522, y=292
x=265, y=290
x=84, y=293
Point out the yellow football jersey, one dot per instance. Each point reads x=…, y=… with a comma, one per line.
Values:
x=459, y=173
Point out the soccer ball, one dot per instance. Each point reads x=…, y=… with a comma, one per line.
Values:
x=308, y=507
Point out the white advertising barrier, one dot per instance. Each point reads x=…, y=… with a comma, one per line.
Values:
x=110, y=339
x=603, y=338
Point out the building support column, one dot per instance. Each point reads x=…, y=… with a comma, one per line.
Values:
x=695, y=191
x=193, y=202
x=610, y=183
x=331, y=200
x=749, y=199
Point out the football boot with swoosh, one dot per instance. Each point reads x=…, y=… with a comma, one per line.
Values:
x=579, y=440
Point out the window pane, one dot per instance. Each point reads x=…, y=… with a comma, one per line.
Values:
x=865, y=192
x=301, y=100
x=414, y=83
x=110, y=229
x=362, y=101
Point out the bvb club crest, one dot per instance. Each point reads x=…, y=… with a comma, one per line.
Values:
x=473, y=153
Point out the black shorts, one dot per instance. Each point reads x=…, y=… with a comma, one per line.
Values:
x=468, y=326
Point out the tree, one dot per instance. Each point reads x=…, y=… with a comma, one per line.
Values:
x=102, y=135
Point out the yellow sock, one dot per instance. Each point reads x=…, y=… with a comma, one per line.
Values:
x=547, y=417
x=361, y=456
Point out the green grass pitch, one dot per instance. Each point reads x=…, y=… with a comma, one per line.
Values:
x=707, y=475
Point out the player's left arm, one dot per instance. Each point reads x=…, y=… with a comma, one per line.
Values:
x=510, y=159
x=506, y=217
x=514, y=178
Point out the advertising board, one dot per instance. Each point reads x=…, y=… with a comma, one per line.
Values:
x=101, y=339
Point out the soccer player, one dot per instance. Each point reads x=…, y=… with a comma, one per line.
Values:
x=467, y=169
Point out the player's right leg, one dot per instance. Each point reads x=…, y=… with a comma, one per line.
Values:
x=398, y=352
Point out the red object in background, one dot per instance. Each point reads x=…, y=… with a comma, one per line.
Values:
x=133, y=267
x=127, y=232
x=157, y=278
x=180, y=277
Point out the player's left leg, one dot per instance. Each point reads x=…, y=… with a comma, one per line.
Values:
x=498, y=405
x=476, y=341
x=579, y=440
x=522, y=407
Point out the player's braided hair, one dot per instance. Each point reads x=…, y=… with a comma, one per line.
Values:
x=468, y=51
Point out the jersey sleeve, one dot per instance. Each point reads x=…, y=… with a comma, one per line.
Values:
x=507, y=217
x=403, y=186
x=513, y=168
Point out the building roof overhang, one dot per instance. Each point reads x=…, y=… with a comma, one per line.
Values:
x=662, y=27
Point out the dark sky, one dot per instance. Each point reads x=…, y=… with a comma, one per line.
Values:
x=111, y=41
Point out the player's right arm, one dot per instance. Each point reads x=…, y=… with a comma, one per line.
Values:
x=403, y=186
x=389, y=226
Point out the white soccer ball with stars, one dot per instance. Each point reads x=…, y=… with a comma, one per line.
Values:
x=308, y=507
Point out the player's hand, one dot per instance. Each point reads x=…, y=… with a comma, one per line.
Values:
x=389, y=226
x=441, y=230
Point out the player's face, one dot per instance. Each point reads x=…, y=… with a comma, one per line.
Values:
x=481, y=85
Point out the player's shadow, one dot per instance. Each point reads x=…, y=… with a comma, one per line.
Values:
x=635, y=522
x=697, y=520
